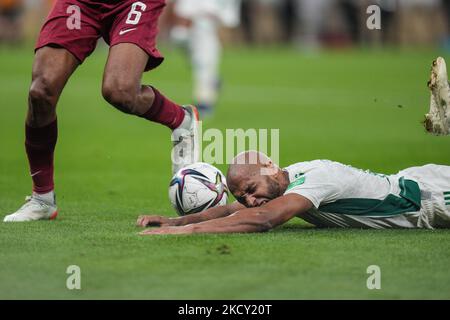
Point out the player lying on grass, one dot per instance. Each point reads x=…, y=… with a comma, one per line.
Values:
x=329, y=194
x=322, y=192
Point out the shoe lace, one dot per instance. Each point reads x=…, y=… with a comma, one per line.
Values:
x=183, y=141
x=179, y=140
x=31, y=201
x=181, y=134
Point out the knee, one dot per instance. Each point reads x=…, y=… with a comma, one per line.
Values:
x=42, y=92
x=120, y=95
x=42, y=98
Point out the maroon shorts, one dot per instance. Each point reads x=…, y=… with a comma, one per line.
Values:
x=76, y=25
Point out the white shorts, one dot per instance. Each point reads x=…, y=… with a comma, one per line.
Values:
x=434, y=182
x=227, y=12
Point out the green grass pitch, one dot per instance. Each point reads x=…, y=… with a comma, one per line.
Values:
x=359, y=107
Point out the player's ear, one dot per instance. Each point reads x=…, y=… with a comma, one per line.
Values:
x=268, y=169
x=269, y=165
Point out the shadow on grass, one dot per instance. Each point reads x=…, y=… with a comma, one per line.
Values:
x=305, y=227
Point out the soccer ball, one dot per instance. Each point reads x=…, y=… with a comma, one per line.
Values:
x=197, y=187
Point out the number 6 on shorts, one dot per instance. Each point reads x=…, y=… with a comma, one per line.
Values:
x=136, y=12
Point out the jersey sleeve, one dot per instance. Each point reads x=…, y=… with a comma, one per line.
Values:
x=317, y=185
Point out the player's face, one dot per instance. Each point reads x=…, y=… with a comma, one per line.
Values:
x=257, y=190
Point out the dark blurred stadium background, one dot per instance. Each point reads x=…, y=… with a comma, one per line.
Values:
x=308, y=24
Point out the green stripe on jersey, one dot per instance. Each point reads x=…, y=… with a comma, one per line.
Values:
x=297, y=182
x=446, y=192
x=409, y=201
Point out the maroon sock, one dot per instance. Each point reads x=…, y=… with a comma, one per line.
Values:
x=40, y=144
x=164, y=111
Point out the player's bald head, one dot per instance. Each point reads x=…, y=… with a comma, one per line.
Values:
x=245, y=165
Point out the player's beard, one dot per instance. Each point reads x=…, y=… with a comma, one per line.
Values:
x=274, y=190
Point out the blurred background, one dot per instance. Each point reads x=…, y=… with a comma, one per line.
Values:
x=202, y=29
x=308, y=24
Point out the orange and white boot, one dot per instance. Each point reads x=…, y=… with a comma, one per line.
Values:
x=35, y=208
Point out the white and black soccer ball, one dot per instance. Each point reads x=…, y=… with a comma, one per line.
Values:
x=197, y=187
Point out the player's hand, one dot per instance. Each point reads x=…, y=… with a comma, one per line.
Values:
x=153, y=221
x=167, y=230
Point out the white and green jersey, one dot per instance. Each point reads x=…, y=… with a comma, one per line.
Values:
x=344, y=196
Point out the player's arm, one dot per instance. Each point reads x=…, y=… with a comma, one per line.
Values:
x=259, y=219
x=212, y=213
